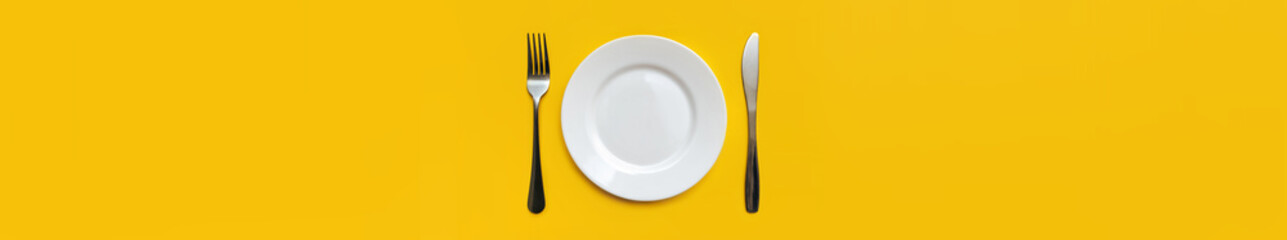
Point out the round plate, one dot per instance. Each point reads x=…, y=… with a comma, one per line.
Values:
x=644, y=118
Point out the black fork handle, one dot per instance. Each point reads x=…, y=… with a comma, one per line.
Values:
x=536, y=192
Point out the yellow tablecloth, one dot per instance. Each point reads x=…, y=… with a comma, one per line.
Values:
x=986, y=119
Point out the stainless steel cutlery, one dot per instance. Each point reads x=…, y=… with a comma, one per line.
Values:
x=750, y=84
x=538, y=81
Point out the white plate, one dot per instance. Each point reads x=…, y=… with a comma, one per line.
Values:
x=644, y=118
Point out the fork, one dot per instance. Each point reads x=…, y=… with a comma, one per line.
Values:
x=538, y=81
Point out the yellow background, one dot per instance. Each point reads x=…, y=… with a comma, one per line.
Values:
x=409, y=119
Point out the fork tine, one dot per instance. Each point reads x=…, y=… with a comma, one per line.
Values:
x=530, y=66
x=545, y=60
x=540, y=54
x=536, y=55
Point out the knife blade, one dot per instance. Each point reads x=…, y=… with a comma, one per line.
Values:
x=750, y=84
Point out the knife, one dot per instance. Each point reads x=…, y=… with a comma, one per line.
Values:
x=750, y=84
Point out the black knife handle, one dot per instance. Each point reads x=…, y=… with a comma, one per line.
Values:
x=536, y=192
x=752, y=179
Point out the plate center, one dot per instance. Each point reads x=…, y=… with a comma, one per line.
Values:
x=644, y=117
